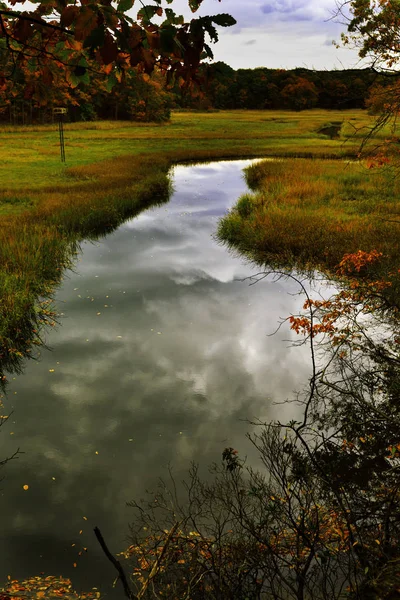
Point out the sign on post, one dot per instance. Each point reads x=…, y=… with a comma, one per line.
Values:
x=60, y=112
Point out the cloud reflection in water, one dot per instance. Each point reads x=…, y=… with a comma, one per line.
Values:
x=168, y=371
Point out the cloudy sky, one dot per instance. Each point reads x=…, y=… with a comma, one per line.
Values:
x=278, y=34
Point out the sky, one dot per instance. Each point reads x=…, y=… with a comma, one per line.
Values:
x=278, y=34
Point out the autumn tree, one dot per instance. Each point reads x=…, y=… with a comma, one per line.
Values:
x=66, y=36
x=373, y=28
x=300, y=94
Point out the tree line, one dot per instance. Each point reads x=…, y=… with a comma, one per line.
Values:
x=296, y=89
x=143, y=97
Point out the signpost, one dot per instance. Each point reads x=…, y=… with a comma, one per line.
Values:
x=60, y=112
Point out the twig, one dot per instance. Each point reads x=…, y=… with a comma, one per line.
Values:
x=128, y=592
x=157, y=563
x=31, y=19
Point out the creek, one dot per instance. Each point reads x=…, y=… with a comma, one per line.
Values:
x=161, y=355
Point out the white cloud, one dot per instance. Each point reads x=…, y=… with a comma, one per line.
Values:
x=278, y=34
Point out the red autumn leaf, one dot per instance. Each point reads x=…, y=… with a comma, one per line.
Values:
x=47, y=76
x=22, y=30
x=135, y=56
x=85, y=23
x=148, y=60
x=109, y=50
x=69, y=15
x=135, y=36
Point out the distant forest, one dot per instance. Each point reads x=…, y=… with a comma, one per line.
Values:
x=297, y=89
x=139, y=97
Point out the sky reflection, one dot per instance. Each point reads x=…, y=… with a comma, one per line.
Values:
x=161, y=356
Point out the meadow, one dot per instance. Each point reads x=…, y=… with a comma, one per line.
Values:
x=306, y=214
x=114, y=170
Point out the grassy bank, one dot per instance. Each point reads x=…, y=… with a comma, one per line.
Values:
x=307, y=214
x=113, y=171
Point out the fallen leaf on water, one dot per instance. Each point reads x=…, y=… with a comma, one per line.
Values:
x=51, y=370
x=25, y=487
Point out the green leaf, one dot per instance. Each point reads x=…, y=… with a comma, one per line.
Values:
x=31, y=64
x=208, y=52
x=147, y=12
x=223, y=20
x=112, y=80
x=95, y=39
x=74, y=80
x=167, y=38
x=173, y=18
x=194, y=4
x=212, y=32
x=124, y=5
x=64, y=56
x=85, y=78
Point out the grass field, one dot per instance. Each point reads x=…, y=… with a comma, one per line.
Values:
x=306, y=214
x=113, y=171
x=30, y=156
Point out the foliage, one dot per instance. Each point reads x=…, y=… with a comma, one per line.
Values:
x=45, y=588
x=300, y=94
x=297, y=89
x=138, y=97
x=218, y=86
x=68, y=42
x=373, y=27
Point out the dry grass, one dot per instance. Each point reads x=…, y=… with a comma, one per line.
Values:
x=308, y=213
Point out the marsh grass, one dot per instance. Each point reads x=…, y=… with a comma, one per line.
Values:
x=115, y=170
x=306, y=214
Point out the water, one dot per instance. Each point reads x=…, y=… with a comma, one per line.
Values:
x=160, y=357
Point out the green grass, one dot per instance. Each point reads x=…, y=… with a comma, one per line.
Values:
x=306, y=214
x=113, y=171
x=30, y=156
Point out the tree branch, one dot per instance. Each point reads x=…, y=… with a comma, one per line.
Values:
x=26, y=17
x=128, y=592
